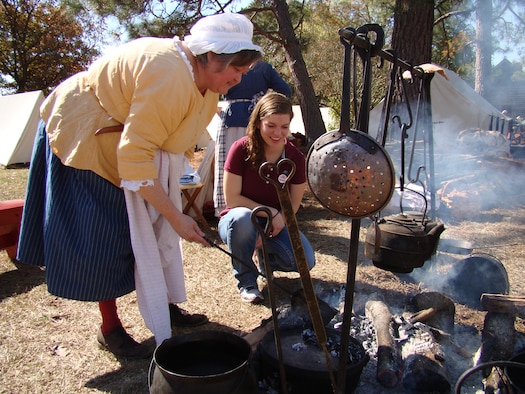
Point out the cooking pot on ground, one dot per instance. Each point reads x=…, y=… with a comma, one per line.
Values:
x=304, y=362
x=402, y=242
x=211, y=362
x=516, y=373
x=491, y=277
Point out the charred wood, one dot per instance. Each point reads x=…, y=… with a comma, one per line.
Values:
x=497, y=382
x=424, y=367
x=434, y=309
x=257, y=334
x=509, y=304
x=497, y=339
x=387, y=356
x=299, y=308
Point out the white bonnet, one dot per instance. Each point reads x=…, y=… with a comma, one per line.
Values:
x=221, y=33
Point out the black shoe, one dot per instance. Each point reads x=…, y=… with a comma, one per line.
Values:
x=181, y=318
x=121, y=344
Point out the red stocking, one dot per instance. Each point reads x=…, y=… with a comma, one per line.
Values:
x=110, y=319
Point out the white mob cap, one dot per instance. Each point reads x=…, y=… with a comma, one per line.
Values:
x=221, y=33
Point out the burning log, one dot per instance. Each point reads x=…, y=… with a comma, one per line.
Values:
x=497, y=343
x=387, y=356
x=424, y=367
x=434, y=309
x=498, y=334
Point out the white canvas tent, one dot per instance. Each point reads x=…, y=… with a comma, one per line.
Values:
x=20, y=114
x=455, y=107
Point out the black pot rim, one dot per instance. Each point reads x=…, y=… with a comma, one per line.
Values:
x=239, y=344
x=320, y=374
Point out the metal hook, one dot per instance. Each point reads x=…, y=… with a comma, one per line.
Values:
x=263, y=231
x=418, y=173
x=407, y=103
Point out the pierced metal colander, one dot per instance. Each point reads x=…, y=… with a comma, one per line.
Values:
x=350, y=173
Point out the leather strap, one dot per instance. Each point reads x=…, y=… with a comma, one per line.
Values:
x=110, y=129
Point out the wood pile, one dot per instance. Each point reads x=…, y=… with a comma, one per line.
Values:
x=409, y=352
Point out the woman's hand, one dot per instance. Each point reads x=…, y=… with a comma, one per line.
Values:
x=277, y=224
x=183, y=224
x=189, y=230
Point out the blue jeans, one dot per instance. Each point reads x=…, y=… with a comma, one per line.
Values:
x=238, y=232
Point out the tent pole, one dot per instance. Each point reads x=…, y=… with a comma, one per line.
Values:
x=428, y=127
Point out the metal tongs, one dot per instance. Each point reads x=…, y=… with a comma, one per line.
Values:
x=278, y=175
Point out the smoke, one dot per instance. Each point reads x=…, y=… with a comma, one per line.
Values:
x=473, y=173
x=463, y=278
x=466, y=172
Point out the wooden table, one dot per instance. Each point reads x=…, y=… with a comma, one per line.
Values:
x=191, y=191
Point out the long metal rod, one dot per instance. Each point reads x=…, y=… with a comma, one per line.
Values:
x=264, y=233
x=349, y=302
x=362, y=124
x=271, y=173
x=215, y=245
x=387, y=104
x=429, y=133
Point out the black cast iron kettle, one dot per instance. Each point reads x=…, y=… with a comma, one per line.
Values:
x=402, y=242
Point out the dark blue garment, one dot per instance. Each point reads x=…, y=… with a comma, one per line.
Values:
x=75, y=223
x=244, y=95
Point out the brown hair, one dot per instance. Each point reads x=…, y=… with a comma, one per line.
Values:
x=242, y=58
x=269, y=104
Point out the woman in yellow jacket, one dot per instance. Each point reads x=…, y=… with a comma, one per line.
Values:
x=103, y=211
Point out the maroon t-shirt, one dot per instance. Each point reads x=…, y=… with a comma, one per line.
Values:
x=253, y=186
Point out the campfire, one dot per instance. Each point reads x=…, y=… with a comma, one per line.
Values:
x=419, y=349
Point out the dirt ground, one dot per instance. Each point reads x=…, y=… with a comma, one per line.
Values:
x=48, y=344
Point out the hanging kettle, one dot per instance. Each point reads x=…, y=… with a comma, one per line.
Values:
x=402, y=242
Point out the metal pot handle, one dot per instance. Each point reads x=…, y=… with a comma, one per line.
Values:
x=424, y=217
x=278, y=174
x=490, y=364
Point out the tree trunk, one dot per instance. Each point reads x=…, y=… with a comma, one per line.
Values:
x=412, y=34
x=412, y=39
x=312, y=119
x=483, y=44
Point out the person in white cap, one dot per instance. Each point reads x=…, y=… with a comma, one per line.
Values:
x=103, y=206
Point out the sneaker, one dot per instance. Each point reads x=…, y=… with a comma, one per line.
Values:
x=251, y=294
x=121, y=344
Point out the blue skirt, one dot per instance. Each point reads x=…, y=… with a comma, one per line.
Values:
x=75, y=224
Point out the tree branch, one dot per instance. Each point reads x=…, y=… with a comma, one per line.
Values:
x=451, y=14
